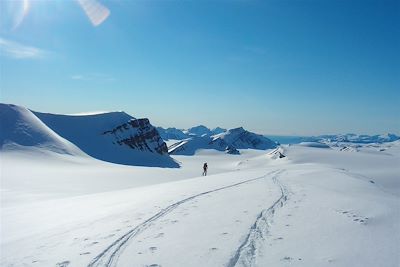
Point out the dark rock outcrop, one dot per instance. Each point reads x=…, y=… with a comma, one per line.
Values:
x=139, y=134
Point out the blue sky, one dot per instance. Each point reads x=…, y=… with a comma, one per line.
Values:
x=275, y=67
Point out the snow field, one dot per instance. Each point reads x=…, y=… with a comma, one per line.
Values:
x=315, y=207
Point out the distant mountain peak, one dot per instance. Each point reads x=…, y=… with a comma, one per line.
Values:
x=178, y=134
x=237, y=130
x=218, y=130
x=199, y=130
x=229, y=141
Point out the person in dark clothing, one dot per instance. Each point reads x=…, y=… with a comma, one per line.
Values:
x=205, y=168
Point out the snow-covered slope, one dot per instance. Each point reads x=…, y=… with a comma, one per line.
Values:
x=229, y=141
x=114, y=137
x=314, y=207
x=190, y=145
x=19, y=128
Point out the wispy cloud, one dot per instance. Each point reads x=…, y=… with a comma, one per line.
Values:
x=93, y=77
x=20, y=51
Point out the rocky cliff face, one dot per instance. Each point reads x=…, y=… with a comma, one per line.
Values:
x=138, y=134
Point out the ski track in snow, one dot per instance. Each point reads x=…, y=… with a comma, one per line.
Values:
x=245, y=255
x=110, y=255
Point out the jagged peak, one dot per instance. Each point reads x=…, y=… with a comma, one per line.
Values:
x=236, y=130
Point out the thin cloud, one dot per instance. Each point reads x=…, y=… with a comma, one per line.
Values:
x=93, y=77
x=20, y=51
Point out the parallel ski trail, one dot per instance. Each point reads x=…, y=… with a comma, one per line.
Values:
x=245, y=255
x=109, y=256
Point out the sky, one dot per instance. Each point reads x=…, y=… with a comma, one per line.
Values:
x=290, y=67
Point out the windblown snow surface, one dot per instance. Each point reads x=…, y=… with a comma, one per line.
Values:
x=314, y=207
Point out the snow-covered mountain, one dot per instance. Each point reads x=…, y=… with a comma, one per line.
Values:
x=229, y=142
x=21, y=128
x=114, y=136
x=200, y=130
x=171, y=133
x=218, y=130
x=242, y=139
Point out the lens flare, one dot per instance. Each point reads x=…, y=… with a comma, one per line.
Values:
x=96, y=12
x=21, y=14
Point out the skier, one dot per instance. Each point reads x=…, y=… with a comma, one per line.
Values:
x=205, y=167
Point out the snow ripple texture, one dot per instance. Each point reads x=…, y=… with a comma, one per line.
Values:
x=246, y=254
x=109, y=256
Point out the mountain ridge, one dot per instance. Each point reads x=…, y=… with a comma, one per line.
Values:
x=229, y=142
